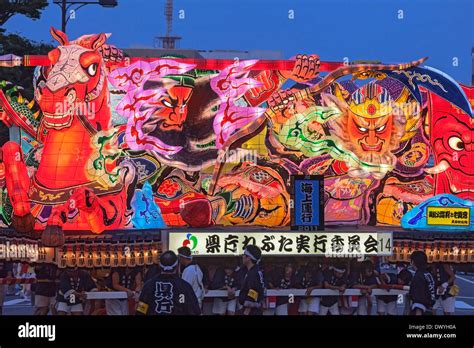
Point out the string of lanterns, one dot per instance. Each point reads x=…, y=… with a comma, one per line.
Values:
x=437, y=251
x=107, y=255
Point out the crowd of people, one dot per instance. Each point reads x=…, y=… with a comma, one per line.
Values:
x=178, y=285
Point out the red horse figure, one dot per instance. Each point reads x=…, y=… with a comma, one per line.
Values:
x=78, y=184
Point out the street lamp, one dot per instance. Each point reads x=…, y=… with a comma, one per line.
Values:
x=65, y=5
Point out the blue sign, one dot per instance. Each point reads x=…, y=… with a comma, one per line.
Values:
x=308, y=202
x=441, y=212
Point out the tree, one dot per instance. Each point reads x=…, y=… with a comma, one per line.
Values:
x=30, y=8
x=18, y=45
x=12, y=43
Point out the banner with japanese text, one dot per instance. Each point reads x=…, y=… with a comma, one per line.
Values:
x=448, y=216
x=307, y=202
x=346, y=244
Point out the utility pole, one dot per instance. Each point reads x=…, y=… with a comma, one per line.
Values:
x=63, y=16
x=66, y=5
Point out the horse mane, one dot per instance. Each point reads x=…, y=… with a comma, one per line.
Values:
x=90, y=41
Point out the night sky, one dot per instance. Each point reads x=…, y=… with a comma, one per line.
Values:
x=356, y=29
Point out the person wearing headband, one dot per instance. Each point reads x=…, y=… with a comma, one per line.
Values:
x=253, y=287
x=191, y=272
x=167, y=293
x=335, y=278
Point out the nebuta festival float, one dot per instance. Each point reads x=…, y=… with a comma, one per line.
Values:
x=116, y=150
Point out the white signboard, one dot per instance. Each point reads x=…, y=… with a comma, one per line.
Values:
x=343, y=244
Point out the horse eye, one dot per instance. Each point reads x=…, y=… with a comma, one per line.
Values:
x=92, y=69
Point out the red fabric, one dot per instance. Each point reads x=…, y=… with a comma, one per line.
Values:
x=197, y=213
x=207, y=64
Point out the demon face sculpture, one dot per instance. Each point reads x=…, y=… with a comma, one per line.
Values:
x=371, y=128
x=452, y=139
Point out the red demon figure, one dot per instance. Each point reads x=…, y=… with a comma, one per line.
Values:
x=452, y=138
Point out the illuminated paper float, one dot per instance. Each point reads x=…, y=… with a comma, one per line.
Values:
x=180, y=119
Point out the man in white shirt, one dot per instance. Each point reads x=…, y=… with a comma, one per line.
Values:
x=191, y=273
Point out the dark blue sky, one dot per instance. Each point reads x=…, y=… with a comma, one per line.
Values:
x=357, y=29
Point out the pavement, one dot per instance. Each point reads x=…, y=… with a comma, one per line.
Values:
x=465, y=299
x=17, y=305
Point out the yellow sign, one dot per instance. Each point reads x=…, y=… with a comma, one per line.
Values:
x=448, y=216
x=142, y=307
